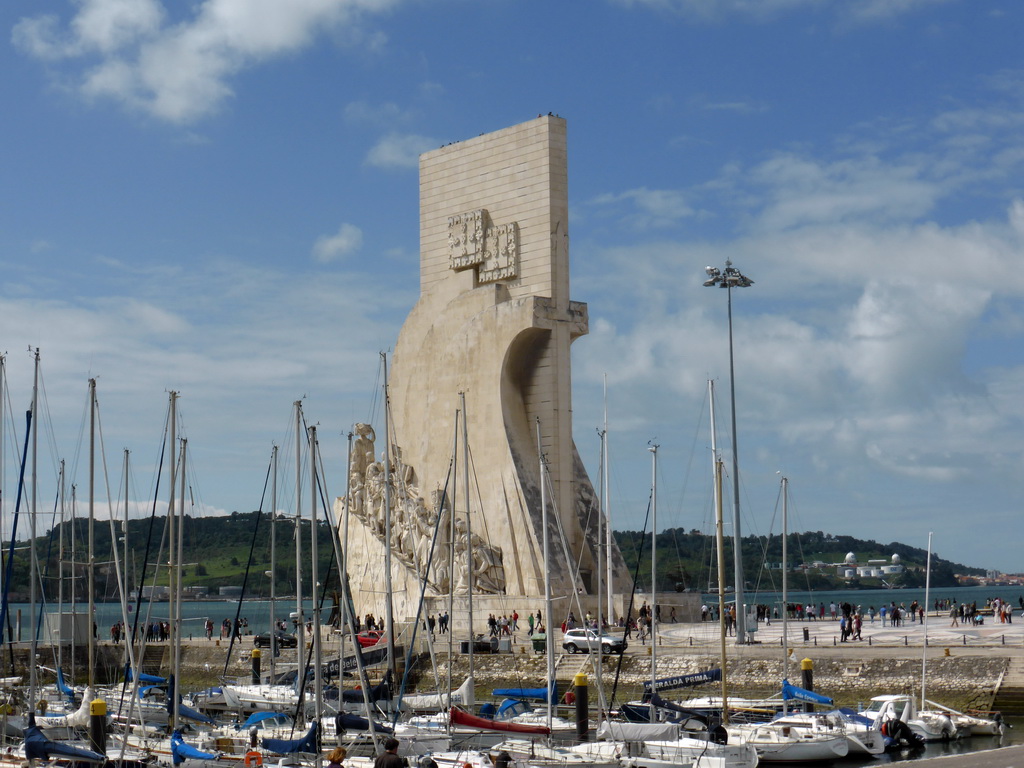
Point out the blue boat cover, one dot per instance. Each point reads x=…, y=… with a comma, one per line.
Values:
x=38, y=747
x=258, y=717
x=347, y=722
x=192, y=714
x=181, y=751
x=380, y=692
x=63, y=687
x=307, y=743
x=143, y=677
x=527, y=693
x=799, y=694
x=673, y=707
x=511, y=708
x=853, y=717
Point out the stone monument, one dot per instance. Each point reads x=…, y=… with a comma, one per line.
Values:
x=493, y=323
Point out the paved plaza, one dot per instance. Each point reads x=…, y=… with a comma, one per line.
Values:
x=825, y=633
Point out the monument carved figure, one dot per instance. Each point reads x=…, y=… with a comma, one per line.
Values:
x=417, y=538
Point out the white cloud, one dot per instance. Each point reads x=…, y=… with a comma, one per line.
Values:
x=110, y=25
x=384, y=115
x=399, y=150
x=863, y=10
x=653, y=207
x=179, y=71
x=347, y=240
x=801, y=191
x=871, y=10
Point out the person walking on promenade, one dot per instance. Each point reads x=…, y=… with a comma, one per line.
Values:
x=952, y=614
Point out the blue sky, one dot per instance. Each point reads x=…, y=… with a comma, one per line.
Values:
x=220, y=197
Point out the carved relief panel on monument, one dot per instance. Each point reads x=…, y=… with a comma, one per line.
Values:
x=474, y=242
x=420, y=533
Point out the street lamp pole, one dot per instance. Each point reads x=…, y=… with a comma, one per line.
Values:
x=730, y=278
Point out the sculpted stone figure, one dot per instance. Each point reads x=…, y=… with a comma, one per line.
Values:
x=362, y=450
x=411, y=536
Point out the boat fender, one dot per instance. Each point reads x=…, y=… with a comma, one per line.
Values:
x=253, y=759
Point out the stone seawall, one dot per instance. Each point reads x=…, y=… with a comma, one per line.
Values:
x=966, y=682
x=960, y=681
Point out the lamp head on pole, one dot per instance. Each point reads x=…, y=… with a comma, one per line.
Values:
x=730, y=277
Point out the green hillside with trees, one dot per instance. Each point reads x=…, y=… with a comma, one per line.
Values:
x=219, y=550
x=686, y=561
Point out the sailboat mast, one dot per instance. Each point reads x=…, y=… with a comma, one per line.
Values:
x=927, y=589
x=606, y=506
x=318, y=686
x=172, y=485
x=3, y=455
x=720, y=545
x=469, y=527
x=60, y=562
x=549, y=627
x=91, y=582
x=273, y=564
x=74, y=576
x=176, y=636
x=785, y=578
x=451, y=556
x=599, y=661
x=126, y=589
x=389, y=608
x=654, y=575
x=300, y=648
x=33, y=555
x=343, y=552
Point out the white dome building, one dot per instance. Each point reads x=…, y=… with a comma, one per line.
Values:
x=894, y=567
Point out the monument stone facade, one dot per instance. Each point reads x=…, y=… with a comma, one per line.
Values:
x=493, y=325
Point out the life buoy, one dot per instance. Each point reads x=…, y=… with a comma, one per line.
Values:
x=253, y=758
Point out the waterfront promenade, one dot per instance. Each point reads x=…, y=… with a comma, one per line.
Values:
x=877, y=638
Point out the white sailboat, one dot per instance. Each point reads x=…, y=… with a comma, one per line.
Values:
x=661, y=749
x=862, y=738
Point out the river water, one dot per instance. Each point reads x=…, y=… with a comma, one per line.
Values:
x=1011, y=736
x=194, y=613
x=879, y=597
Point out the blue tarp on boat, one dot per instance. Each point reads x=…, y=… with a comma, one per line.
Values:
x=525, y=693
x=143, y=677
x=63, y=687
x=258, y=717
x=799, y=694
x=347, y=722
x=181, y=751
x=511, y=708
x=192, y=714
x=307, y=743
x=380, y=692
x=38, y=747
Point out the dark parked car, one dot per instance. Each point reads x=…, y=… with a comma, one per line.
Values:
x=284, y=640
